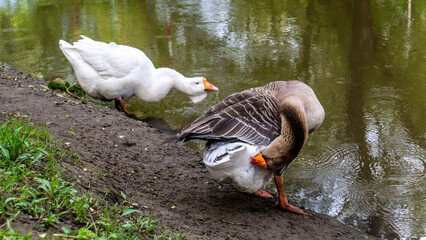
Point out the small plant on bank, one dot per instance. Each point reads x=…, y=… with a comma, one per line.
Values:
x=31, y=189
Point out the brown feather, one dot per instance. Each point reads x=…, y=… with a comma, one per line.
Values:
x=253, y=115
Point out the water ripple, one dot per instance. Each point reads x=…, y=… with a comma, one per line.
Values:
x=378, y=194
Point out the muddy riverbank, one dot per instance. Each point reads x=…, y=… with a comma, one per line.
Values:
x=125, y=155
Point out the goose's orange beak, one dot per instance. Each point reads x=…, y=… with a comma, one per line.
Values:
x=208, y=86
x=259, y=160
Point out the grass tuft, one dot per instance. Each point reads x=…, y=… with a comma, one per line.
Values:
x=33, y=191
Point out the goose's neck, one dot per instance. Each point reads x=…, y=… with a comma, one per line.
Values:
x=173, y=79
x=166, y=77
x=294, y=133
x=295, y=127
x=161, y=82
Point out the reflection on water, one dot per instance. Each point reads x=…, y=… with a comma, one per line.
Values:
x=365, y=60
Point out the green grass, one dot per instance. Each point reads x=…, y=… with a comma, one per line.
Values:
x=31, y=188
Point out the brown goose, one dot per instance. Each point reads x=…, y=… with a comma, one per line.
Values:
x=253, y=136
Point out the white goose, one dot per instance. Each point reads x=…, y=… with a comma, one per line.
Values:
x=117, y=72
x=253, y=136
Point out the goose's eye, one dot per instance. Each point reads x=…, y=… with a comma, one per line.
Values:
x=197, y=83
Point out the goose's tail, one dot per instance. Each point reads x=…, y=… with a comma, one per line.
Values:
x=67, y=49
x=65, y=46
x=83, y=71
x=72, y=51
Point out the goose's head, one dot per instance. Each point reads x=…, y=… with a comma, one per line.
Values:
x=197, y=88
x=269, y=163
x=275, y=156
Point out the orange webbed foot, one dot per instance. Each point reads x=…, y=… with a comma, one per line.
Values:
x=263, y=194
x=291, y=208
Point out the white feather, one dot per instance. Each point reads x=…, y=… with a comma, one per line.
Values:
x=111, y=71
x=232, y=160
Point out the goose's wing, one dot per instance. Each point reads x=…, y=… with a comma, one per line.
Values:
x=111, y=60
x=245, y=116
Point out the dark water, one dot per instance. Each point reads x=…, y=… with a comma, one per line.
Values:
x=366, y=60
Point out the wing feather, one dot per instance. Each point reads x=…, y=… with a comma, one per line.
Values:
x=111, y=60
x=245, y=116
